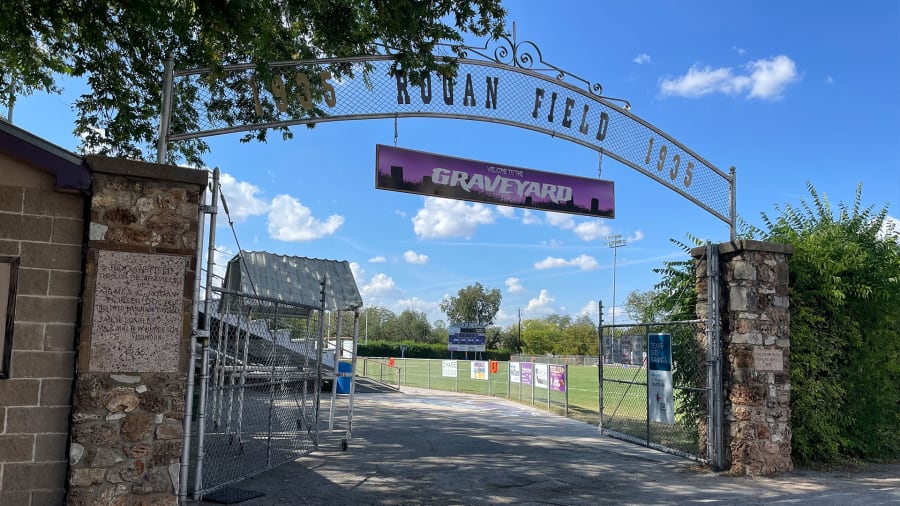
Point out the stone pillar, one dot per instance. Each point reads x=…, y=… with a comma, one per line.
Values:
x=132, y=358
x=754, y=310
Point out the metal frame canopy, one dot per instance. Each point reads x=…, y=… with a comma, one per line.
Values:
x=505, y=82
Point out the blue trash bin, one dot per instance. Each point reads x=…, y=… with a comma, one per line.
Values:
x=343, y=383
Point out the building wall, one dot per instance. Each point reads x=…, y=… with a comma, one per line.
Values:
x=127, y=422
x=44, y=228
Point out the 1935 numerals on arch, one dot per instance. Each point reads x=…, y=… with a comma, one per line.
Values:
x=280, y=95
x=676, y=159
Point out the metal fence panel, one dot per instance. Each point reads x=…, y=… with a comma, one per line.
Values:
x=625, y=393
x=259, y=394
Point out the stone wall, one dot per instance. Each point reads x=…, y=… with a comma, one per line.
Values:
x=129, y=397
x=755, y=316
x=44, y=229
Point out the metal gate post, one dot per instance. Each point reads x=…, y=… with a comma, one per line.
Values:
x=195, y=333
x=715, y=401
x=601, y=353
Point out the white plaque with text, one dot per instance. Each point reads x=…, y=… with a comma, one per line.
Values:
x=138, y=312
x=768, y=360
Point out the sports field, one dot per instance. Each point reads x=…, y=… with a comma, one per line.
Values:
x=580, y=401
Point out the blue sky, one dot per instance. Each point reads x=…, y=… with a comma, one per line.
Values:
x=787, y=92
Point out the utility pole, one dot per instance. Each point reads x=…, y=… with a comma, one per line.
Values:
x=519, y=339
x=615, y=242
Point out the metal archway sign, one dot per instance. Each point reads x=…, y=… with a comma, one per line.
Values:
x=508, y=83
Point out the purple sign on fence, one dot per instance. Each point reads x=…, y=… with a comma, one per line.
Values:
x=526, y=373
x=436, y=175
x=558, y=378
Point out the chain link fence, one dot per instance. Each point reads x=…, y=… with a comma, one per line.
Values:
x=626, y=394
x=245, y=98
x=259, y=390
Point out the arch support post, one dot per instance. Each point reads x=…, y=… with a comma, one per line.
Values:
x=754, y=311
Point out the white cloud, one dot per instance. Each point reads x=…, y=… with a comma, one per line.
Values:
x=551, y=263
x=289, y=220
x=542, y=304
x=377, y=260
x=891, y=226
x=415, y=258
x=703, y=81
x=583, y=262
x=590, y=309
x=561, y=220
x=530, y=218
x=241, y=198
x=450, y=218
x=514, y=286
x=592, y=230
x=221, y=256
x=417, y=304
x=505, y=319
x=771, y=77
x=620, y=314
x=641, y=59
x=359, y=275
x=739, y=50
x=380, y=284
x=765, y=79
x=635, y=237
x=506, y=211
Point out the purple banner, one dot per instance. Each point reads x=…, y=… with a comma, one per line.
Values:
x=558, y=378
x=526, y=372
x=436, y=175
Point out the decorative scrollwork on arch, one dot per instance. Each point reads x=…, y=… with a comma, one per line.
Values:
x=524, y=55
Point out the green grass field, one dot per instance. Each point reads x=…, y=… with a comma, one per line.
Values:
x=582, y=383
x=625, y=404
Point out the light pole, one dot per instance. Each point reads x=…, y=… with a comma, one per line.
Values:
x=615, y=242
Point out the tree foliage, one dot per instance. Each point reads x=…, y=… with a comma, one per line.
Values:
x=473, y=304
x=119, y=47
x=845, y=316
x=559, y=335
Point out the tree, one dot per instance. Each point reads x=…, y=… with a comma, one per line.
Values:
x=412, y=326
x=119, y=47
x=381, y=323
x=845, y=312
x=473, y=305
x=644, y=307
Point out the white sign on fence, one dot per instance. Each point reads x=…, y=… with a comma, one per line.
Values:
x=448, y=368
x=514, y=373
x=542, y=375
x=661, y=404
x=479, y=370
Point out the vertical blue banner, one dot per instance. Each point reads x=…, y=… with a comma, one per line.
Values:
x=660, y=396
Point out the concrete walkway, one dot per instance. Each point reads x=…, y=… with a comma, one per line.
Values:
x=437, y=448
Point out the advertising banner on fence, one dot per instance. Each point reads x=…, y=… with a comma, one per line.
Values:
x=527, y=369
x=436, y=175
x=558, y=378
x=660, y=397
x=479, y=370
x=448, y=368
x=514, y=372
x=466, y=337
x=541, y=376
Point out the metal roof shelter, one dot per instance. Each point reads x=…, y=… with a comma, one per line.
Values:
x=293, y=279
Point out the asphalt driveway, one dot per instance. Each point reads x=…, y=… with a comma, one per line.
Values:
x=429, y=447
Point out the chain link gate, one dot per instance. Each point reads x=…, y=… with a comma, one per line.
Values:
x=625, y=392
x=259, y=390
x=696, y=381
